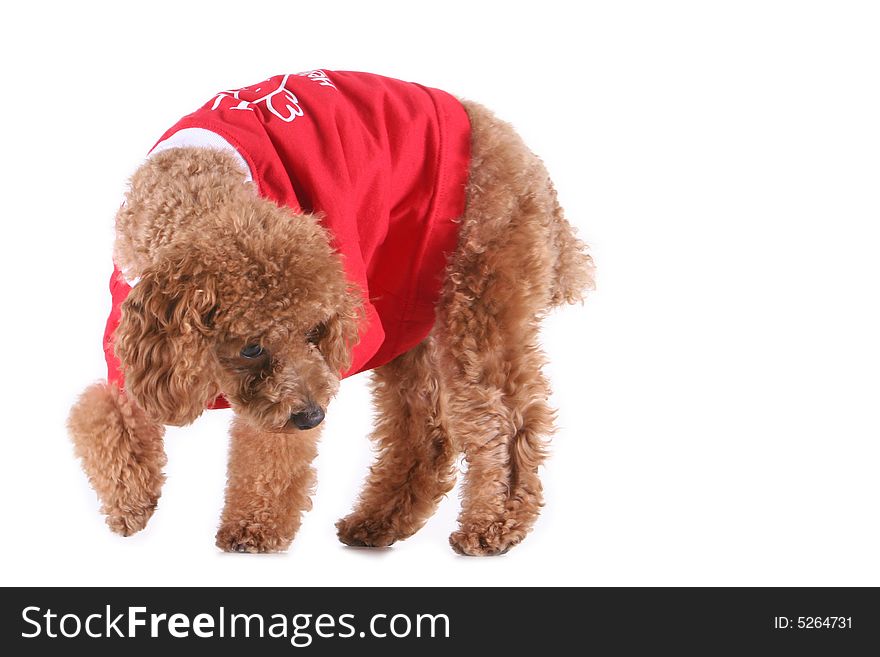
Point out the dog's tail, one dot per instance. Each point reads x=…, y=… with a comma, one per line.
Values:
x=573, y=270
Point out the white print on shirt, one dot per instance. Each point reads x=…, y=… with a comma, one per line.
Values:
x=289, y=104
x=318, y=76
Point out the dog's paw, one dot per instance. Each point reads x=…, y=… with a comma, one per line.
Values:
x=250, y=538
x=493, y=540
x=357, y=531
x=130, y=521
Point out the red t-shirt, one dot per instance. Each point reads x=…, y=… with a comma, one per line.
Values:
x=386, y=163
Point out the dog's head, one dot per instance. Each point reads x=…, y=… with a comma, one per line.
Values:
x=258, y=309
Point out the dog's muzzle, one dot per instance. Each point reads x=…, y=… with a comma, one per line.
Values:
x=308, y=418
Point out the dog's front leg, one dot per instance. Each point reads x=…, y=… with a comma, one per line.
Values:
x=122, y=454
x=270, y=482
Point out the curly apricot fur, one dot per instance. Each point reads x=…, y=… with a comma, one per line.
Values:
x=221, y=267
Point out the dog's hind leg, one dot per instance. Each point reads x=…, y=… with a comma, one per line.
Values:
x=270, y=483
x=516, y=258
x=499, y=412
x=414, y=468
x=122, y=454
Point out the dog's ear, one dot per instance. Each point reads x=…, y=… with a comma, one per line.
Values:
x=340, y=332
x=162, y=344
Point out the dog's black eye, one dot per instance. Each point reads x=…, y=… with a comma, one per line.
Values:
x=252, y=351
x=315, y=334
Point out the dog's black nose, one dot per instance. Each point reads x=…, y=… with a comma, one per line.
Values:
x=309, y=418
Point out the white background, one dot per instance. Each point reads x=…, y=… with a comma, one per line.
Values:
x=718, y=394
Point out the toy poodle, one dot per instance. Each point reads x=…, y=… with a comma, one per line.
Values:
x=309, y=227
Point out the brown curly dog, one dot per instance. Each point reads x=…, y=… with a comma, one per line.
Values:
x=228, y=264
